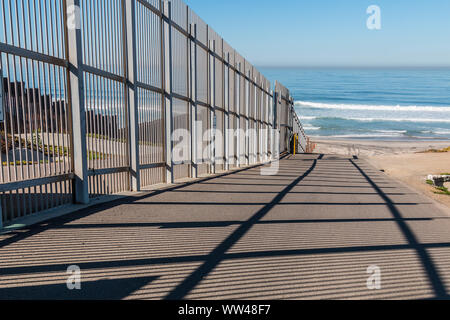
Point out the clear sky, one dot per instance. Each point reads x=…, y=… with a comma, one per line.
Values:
x=332, y=32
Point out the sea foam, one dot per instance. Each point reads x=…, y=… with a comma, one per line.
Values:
x=377, y=119
x=318, y=105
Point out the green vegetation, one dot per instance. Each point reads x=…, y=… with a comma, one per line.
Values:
x=97, y=155
x=36, y=144
x=442, y=190
x=26, y=163
x=8, y=143
x=103, y=137
x=438, y=151
x=445, y=174
x=439, y=190
x=47, y=150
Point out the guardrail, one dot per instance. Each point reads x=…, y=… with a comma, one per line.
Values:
x=101, y=97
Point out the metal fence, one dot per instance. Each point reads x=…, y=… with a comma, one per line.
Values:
x=288, y=121
x=95, y=92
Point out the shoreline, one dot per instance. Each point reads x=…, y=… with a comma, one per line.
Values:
x=405, y=161
x=381, y=138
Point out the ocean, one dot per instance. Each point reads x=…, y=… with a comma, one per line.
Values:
x=381, y=104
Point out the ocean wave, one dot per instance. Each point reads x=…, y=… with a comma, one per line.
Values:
x=317, y=105
x=377, y=119
x=307, y=118
x=312, y=128
x=392, y=131
x=368, y=135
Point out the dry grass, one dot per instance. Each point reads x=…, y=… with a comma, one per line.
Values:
x=437, y=150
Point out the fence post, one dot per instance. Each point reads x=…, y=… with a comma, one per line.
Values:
x=260, y=125
x=266, y=106
x=212, y=63
x=257, y=125
x=247, y=119
x=77, y=104
x=260, y=151
x=270, y=124
x=255, y=122
x=132, y=98
x=266, y=120
x=226, y=126
x=252, y=105
x=194, y=97
x=274, y=124
x=168, y=102
x=237, y=107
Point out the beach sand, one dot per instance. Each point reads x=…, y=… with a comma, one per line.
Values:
x=402, y=160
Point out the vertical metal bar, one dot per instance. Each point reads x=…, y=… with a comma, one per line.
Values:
x=238, y=108
x=247, y=120
x=189, y=114
x=208, y=101
x=213, y=120
x=274, y=124
x=264, y=137
x=267, y=126
x=77, y=106
x=255, y=123
x=226, y=105
x=124, y=161
x=258, y=124
x=168, y=110
x=194, y=97
x=268, y=122
x=130, y=52
x=2, y=179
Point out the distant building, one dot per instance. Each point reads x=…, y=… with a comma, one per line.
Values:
x=28, y=111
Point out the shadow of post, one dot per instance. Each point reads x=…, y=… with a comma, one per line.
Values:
x=426, y=260
x=218, y=254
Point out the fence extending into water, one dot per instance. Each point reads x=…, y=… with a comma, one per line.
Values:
x=106, y=96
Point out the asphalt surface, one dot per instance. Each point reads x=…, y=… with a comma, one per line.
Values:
x=312, y=231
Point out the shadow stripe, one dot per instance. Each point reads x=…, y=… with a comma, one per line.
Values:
x=218, y=254
x=426, y=260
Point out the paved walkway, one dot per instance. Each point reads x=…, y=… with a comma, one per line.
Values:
x=309, y=232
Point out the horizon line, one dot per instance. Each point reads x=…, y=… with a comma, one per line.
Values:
x=355, y=66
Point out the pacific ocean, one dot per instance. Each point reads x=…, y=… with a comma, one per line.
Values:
x=370, y=103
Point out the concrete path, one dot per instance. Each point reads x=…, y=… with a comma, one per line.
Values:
x=309, y=232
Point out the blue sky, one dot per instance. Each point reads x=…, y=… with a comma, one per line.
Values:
x=332, y=32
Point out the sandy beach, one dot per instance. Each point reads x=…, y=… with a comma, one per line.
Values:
x=406, y=161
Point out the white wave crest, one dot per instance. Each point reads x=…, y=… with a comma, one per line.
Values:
x=368, y=135
x=312, y=128
x=399, y=120
x=307, y=118
x=378, y=119
x=392, y=131
x=317, y=105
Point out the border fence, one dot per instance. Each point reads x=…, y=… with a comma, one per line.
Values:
x=106, y=96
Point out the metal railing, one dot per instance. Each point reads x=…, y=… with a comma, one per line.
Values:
x=94, y=94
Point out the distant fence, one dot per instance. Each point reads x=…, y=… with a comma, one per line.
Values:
x=105, y=96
